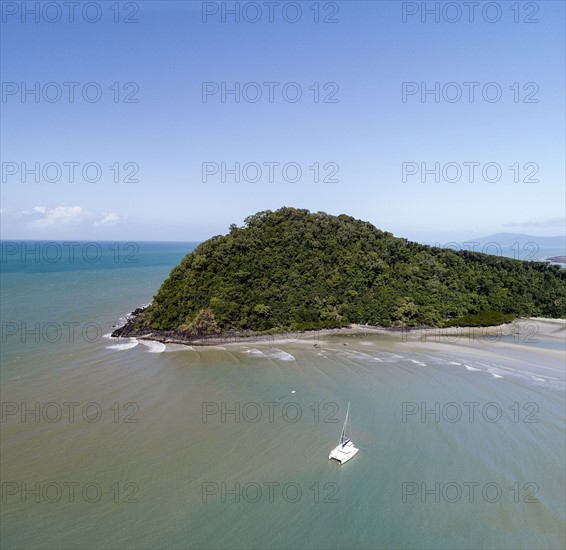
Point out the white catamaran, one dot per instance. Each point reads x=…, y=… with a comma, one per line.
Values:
x=345, y=449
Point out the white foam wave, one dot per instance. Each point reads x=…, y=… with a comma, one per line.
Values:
x=171, y=347
x=360, y=355
x=389, y=357
x=177, y=347
x=122, y=346
x=281, y=355
x=273, y=354
x=254, y=352
x=154, y=347
x=500, y=371
x=418, y=362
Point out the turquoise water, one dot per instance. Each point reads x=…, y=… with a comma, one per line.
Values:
x=196, y=469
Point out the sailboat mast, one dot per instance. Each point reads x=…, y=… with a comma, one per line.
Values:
x=343, y=434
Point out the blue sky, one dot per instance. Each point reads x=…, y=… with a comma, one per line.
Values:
x=164, y=138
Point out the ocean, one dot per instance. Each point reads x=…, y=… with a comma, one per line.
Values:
x=132, y=444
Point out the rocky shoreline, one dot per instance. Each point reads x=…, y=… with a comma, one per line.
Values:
x=129, y=330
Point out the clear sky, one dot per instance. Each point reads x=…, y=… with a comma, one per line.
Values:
x=352, y=116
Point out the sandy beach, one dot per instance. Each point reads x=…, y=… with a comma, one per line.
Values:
x=526, y=330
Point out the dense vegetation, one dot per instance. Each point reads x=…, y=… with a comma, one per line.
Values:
x=292, y=269
x=484, y=319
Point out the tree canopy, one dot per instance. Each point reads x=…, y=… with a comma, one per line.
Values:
x=294, y=270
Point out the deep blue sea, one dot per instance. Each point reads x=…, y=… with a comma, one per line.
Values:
x=134, y=444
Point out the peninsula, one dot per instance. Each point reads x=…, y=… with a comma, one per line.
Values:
x=293, y=270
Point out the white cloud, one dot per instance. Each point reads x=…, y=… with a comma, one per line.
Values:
x=58, y=216
x=107, y=220
x=58, y=222
x=67, y=217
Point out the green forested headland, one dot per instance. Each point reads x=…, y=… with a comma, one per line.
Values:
x=295, y=270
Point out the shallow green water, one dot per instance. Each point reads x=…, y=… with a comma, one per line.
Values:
x=191, y=474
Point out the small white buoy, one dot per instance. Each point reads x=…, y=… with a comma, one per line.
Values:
x=293, y=391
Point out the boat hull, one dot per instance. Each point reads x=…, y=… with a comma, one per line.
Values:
x=343, y=453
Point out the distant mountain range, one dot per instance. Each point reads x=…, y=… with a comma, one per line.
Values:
x=509, y=239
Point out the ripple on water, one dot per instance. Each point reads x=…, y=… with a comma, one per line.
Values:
x=122, y=346
x=154, y=347
x=352, y=354
x=273, y=353
x=472, y=368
